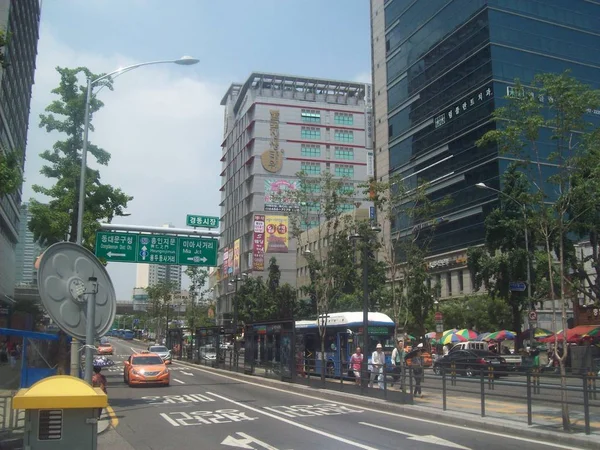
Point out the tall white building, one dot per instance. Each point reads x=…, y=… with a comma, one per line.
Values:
x=151, y=274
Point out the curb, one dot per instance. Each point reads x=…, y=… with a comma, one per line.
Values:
x=423, y=412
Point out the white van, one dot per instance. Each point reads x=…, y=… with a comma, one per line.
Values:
x=471, y=345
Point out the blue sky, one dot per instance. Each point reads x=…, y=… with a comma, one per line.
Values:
x=163, y=124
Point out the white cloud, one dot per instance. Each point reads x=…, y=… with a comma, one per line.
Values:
x=163, y=126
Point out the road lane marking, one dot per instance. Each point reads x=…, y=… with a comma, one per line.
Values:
x=114, y=420
x=187, y=373
x=179, y=381
x=387, y=413
x=429, y=439
x=295, y=424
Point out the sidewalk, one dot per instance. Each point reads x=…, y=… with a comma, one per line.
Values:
x=505, y=417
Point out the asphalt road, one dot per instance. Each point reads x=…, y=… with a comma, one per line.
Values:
x=204, y=410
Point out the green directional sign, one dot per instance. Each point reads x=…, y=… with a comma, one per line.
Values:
x=116, y=246
x=156, y=249
x=198, y=252
x=202, y=221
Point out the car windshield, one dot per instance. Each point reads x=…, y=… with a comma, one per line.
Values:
x=159, y=349
x=146, y=361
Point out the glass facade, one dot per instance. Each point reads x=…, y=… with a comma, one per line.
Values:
x=450, y=63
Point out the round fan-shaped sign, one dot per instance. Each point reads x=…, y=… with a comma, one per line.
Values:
x=64, y=274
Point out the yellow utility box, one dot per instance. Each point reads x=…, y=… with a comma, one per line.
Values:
x=61, y=412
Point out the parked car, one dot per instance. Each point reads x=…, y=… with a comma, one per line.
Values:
x=470, y=362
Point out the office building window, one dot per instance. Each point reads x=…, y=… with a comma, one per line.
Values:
x=311, y=115
x=346, y=207
x=310, y=133
x=313, y=187
x=346, y=189
x=310, y=150
x=461, y=282
x=449, y=283
x=344, y=153
x=343, y=119
x=345, y=171
x=343, y=136
x=310, y=168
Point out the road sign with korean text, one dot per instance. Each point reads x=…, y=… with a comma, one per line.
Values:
x=116, y=246
x=201, y=221
x=156, y=249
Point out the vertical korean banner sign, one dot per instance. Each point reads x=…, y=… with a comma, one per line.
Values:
x=230, y=266
x=225, y=263
x=258, y=243
x=276, y=228
x=236, y=256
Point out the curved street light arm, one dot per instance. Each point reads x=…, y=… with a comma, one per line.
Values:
x=131, y=67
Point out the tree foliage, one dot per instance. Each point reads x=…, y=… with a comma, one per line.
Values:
x=52, y=221
x=195, y=314
x=260, y=300
x=11, y=175
x=548, y=126
x=160, y=298
x=412, y=214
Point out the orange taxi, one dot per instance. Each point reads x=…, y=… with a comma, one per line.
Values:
x=105, y=348
x=145, y=368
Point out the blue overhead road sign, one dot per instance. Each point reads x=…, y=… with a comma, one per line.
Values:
x=517, y=286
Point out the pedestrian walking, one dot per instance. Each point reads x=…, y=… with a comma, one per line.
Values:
x=356, y=361
x=377, y=363
x=99, y=380
x=399, y=364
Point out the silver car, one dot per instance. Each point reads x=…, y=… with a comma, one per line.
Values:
x=163, y=352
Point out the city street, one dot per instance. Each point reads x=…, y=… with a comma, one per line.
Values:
x=204, y=410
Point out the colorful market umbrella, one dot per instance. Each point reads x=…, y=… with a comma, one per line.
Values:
x=593, y=333
x=538, y=333
x=501, y=335
x=482, y=336
x=410, y=337
x=469, y=335
x=452, y=338
x=431, y=335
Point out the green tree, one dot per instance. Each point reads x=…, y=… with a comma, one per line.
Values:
x=503, y=258
x=3, y=42
x=547, y=126
x=323, y=201
x=412, y=214
x=160, y=298
x=52, y=221
x=476, y=312
x=198, y=278
x=11, y=175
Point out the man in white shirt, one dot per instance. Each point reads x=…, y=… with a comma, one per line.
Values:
x=377, y=363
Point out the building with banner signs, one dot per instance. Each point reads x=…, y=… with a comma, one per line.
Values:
x=440, y=68
x=274, y=127
x=20, y=21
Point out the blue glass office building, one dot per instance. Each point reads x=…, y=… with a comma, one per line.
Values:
x=444, y=65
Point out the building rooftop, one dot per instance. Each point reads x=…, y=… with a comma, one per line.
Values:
x=294, y=83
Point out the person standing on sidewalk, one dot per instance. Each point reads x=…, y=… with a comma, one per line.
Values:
x=99, y=380
x=356, y=364
x=417, y=366
x=377, y=363
x=398, y=355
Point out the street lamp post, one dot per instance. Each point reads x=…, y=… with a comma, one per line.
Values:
x=524, y=212
x=91, y=307
x=365, y=282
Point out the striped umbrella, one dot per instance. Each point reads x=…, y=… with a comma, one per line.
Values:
x=593, y=333
x=501, y=335
x=431, y=335
x=452, y=338
x=538, y=333
x=469, y=335
x=482, y=336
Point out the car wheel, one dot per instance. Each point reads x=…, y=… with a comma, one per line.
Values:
x=469, y=372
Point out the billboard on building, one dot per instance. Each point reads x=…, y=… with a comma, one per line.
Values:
x=276, y=236
x=368, y=116
x=225, y=263
x=236, y=257
x=230, y=260
x=279, y=194
x=258, y=243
